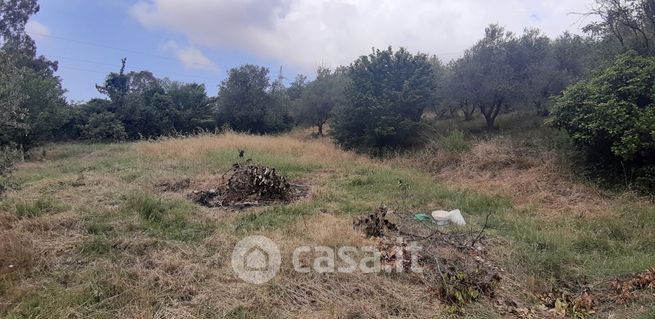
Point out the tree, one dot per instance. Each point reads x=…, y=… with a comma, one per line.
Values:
x=246, y=103
x=494, y=78
x=460, y=84
x=148, y=106
x=12, y=116
x=12, y=110
x=117, y=87
x=531, y=58
x=43, y=105
x=612, y=117
x=13, y=17
x=625, y=25
x=47, y=108
x=384, y=100
x=193, y=109
x=297, y=87
x=320, y=97
x=574, y=58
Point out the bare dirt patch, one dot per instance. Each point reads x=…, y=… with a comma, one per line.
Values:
x=173, y=185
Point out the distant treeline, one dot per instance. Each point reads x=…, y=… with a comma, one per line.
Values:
x=598, y=87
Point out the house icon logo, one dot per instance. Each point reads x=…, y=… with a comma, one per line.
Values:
x=256, y=259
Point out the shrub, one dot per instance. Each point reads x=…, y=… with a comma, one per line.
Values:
x=103, y=126
x=611, y=118
x=384, y=101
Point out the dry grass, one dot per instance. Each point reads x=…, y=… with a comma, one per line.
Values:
x=92, y=258
x=86, y=249
x=316, y=150
x=530, y=178
x=16, y=253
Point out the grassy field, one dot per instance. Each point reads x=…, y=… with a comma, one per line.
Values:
x=86, y=232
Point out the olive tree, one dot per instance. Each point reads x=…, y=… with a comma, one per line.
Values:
x=320, y=97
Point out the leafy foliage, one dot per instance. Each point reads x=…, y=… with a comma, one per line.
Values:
x=625, y=25
x=32, y=103
x=385, y=100
x=146, y=106
x=8, y=155
x=320, y=97
x=612, y=116
x=104, y=126
x=12, y=111
x=508, y=73
x=248, y=102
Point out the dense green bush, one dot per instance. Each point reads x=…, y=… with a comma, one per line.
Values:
x=147, y=106
x=248, y=102
x=103, y=126
x=384, y=101
x=612, y=118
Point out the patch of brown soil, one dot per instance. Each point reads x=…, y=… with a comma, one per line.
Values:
x=173, y=185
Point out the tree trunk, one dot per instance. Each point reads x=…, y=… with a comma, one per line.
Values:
x=468, y=115
x=468, y=111
x=320, y=129
x=490, y=113
x=490, y=121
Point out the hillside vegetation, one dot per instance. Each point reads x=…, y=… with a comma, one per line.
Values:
x=130, y=205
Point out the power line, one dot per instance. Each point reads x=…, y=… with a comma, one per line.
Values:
x=80, y=69
x=108, y=47
x=53, y=57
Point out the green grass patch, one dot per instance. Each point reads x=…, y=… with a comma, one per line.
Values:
x=94, y=293
x=96, y=246
x=38, y=207
x=274, y=217
x=569, y=247
x=454, y=142
x=99, y=225
x=407, y=190
x=167, y=219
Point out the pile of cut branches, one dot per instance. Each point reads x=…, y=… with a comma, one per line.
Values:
x=375, y=224
x=249, y=179
x=248, y=184
x=456, y=268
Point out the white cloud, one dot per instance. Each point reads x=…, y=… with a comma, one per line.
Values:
x=191, y=57
x=36, y=29
x=307, y=33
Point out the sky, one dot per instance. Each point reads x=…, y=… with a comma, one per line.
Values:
x=200, y=40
